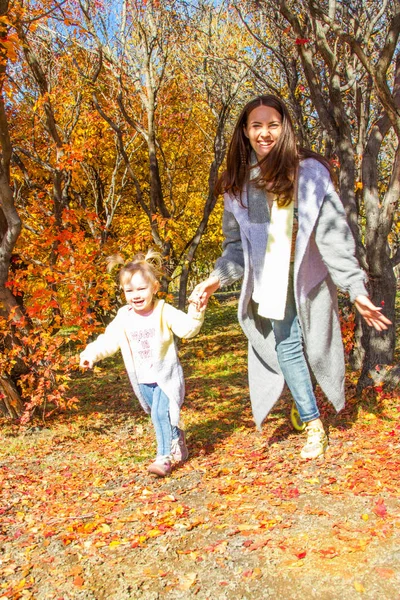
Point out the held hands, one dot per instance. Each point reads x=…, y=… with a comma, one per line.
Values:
x=371, y=313
x=202, y=292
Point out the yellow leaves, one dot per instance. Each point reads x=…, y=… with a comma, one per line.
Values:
x=154, y=533
x=295, y=564
x=359, y=587
x=11, y=44
x=370, y=417
x=154, y=573
x=365, y=517
x=245, y=527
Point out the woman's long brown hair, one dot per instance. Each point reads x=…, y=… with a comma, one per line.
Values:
x=278, y=168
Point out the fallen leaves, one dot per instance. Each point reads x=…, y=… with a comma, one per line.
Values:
x=79, y=581
x=329, y=552
x=380, y=508
x=243, y=500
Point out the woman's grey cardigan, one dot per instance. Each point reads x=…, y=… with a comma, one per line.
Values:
x=324, y=259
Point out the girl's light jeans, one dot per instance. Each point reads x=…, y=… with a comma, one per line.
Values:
x=158, y=402
x=289, y=347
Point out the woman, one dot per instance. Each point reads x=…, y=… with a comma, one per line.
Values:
x=287, y=235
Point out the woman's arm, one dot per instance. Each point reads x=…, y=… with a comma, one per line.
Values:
x=230, y=266
x=336, y=245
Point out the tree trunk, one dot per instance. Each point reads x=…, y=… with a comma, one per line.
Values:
x=10, y=227
x=11, y=405
x=379, y=346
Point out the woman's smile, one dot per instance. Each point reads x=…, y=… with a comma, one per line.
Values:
x=263, y=129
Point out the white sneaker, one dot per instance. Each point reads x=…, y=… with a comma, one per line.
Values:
x=317, y=442
x=160, y=467
x=179, y=450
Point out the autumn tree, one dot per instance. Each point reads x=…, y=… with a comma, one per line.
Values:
x=10, y=224
x=176, y=92
x=136, y=50
x=219, y=82
x=47, y=150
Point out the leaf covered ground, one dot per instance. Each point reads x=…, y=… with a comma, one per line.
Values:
x=245, y=517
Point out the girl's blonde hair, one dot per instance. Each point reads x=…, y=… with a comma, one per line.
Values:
x=149, y=265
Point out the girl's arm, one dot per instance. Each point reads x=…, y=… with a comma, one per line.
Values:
x=184, y=325
x=107, y=344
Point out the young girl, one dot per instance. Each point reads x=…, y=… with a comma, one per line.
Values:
x=286, y=234
x=144, y=332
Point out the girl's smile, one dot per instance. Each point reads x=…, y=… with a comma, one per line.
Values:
x=263, y=129
x=139, y=293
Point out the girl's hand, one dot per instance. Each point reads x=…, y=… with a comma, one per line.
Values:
x=202, y=292
x=85, y=363
x=371, y=313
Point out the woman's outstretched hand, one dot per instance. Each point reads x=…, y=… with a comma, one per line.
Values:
x=371, y=313
x=202, y=292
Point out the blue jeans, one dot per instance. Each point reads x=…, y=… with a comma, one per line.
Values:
x=289, y=347
x=158, y=402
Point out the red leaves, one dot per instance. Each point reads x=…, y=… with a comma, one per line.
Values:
x=302, y=41
x=287, y=493
x=380, y=509
x=244, y=499
x=329, y=552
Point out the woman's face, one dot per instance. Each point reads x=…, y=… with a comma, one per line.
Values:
x=264, y=127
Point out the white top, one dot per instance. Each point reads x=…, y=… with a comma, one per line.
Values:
x=141, y=334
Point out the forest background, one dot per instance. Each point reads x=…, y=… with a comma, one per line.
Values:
x=114, y=121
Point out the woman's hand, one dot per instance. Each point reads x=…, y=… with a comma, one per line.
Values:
x=202, y=292
x=371, y=313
